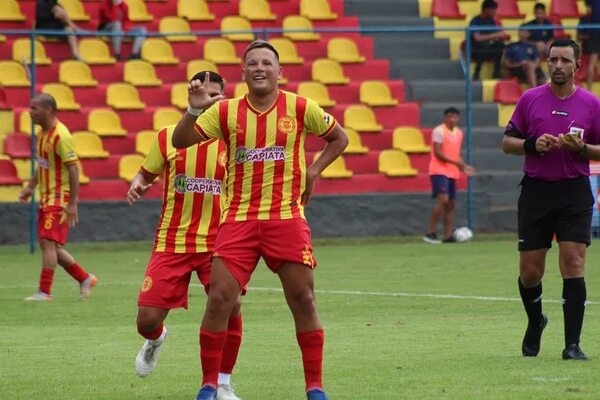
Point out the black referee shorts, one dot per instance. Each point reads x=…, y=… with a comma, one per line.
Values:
x=563, y=208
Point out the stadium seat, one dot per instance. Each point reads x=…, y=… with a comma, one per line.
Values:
x=76, y=74
x=232, y=23
x=143, y=141
x=138, y=11
x=21, y=52
x=179, y=95
x=2, y=38
x=75, y=10
x=8, y=173
x=83, y=178
x=508, y=9
x=95, y=51
x=158, y=51
x=446, y=9
x=317, y=92
x=11, y=11
x=507, y=92
x=395, y=163
x=123, y=96
x=105, y=123
x=329, y=72
x=487, y=90
x=559, y=33
x=376, y=93
x=355, y=145
x=89, y=145
x=564, y=9
x=129, y=165
x=65, y=99
x=316, y=10
x=220, y=51
x=140, y=73
x=256, y=10
x=297, y=22
x=343, y=50
x=505, y=111
x=336, y=170
x=165, y=117
x=23, y=166
x=195, y=66
x=194, y=10
x=176, y=25
x=17, y=145
x=3, y=100
x=361, y=118
x=287, y=51
x=410, y=140
x=240, y=89
x=25, y=123
x=12, y=73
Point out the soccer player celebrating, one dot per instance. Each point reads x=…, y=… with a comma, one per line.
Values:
x=266, y=189
x=556, y=127
x=58, y=177
x=184, y=240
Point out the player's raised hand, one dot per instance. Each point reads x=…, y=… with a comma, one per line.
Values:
x=199, y=95
x=137, y=190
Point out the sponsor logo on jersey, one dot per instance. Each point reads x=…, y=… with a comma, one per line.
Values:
x=184, y=184
x=561, y=113
x=273, y=153
x=43, y=162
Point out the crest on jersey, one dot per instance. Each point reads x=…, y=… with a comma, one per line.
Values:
x=179, y=183
x=286, y=124
x=240, y=154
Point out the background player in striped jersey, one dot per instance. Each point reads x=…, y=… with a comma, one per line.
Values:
x=184, y=239
x=267, y=186
x=58, y=177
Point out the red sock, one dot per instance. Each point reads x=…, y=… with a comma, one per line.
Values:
x=311, y=346
x=211, y=352
x=77, y=272
x=232, y=344
x=46, y=278
x=155, y=334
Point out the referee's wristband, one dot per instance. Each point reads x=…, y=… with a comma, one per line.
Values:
x=529, y=145
x=196, y=112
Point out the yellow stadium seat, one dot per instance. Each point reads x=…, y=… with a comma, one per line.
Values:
x=240, y=89
x=179, y=95
x=297, y=22
x=376, y=93
x=165, y=117
x=123, y=96
x=25, y=123
x=11, y=11
x=65, y=99
x=129, y=166
x=220, y=51
x=195, y=66
x=12, y=73
x=343, y=50
x=9, y=193
x=83, y=179
x=336, y=170
x=2, y=38
x=234, y=23
x=89, y=145
x=176, y=25
x=158, y=51
x=287, y=51
x=21, y=52
x=138, y=11
x=75, y=10
x=140, y=73
x=23, y=166
x=410, y=140
x=316, y=10
x=505, y=111
x=395, y=163
x=317, y=92
x=105, y=123
x=361, y=118
x=194, y=10
x=487, y=90
x=95, y=51
x=143, y=141
x=328, y=72
x=256, y=10
x=76, y=74
x=355, y=145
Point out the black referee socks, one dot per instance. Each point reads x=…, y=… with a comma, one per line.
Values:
x=574, y=297
x=532, y=301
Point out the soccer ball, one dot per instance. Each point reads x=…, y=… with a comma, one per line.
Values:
x=463, y=234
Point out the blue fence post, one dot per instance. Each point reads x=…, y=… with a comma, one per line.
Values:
x=32, y=204
x=469, y=116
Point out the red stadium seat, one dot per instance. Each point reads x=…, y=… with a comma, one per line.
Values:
x=558, y=33
x=507, y=92
x=17, y=145
x=564, y=9
x=8, y=173
x=445, y=9
x=3, y=102
x=508, y=9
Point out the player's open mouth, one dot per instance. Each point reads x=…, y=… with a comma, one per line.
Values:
x=260, y=78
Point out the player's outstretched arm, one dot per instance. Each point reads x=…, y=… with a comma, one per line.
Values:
x=140, y=184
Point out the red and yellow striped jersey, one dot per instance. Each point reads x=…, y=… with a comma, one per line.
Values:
x=266, y=167
x=191, y=193
x=55, y=151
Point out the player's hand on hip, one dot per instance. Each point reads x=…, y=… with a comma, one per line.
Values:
x=72, y=217
x=311, y=180
x=199, y=95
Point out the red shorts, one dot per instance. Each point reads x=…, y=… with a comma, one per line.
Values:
x=168, y=278
x=53, y=225
x=241, y=244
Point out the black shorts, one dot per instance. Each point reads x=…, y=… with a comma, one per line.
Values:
x=563, y=208
x=591, y=45
x=519, y=72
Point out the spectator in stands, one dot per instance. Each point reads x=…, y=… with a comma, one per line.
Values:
x=50, y=15
x=521, y=60
x=541, y=37
x=444, y=169
x=487, y=44
x=114, y=17
x=590, y=39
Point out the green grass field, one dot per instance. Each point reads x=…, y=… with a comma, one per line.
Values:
x=403, y=320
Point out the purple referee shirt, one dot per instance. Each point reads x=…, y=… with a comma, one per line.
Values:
x=539, y=111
